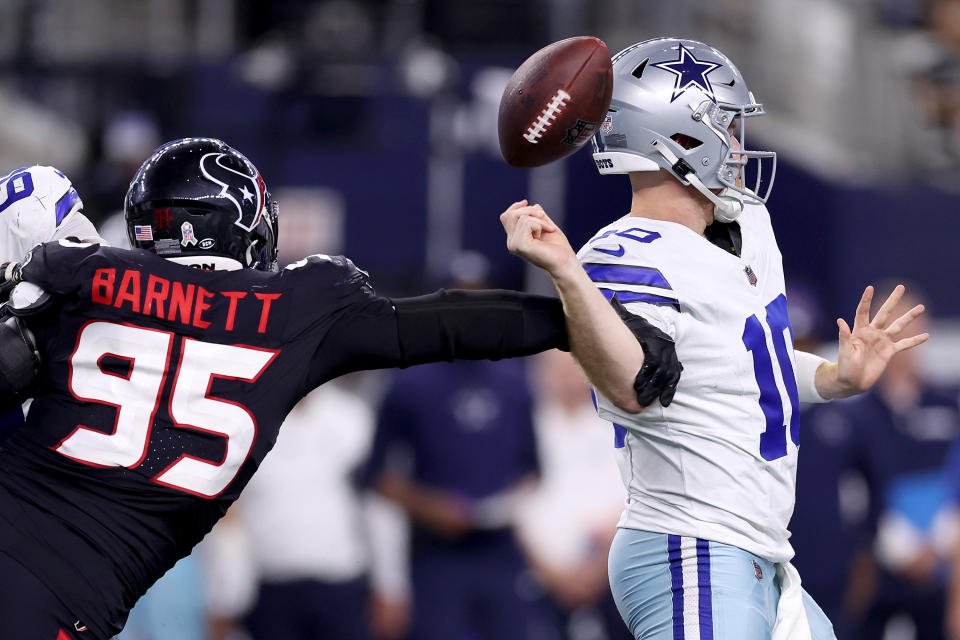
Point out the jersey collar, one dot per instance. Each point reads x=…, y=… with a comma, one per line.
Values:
x=208, y=263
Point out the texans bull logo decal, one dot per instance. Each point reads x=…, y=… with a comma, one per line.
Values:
x=248, y=198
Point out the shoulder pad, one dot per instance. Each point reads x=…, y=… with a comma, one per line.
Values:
x=338, y=269
x=55, y=266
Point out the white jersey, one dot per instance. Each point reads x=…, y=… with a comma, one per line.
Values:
x=720, y=462
x=39, y=204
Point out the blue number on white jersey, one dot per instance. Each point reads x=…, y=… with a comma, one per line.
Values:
x=16, y=186
x=773, y=441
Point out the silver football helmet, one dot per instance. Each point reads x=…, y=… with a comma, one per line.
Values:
x=678, y=105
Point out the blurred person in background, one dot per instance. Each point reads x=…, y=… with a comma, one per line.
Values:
x=952, y=480
x=939, y=83
x=128, y=136
x=567, y=523
x=454, y=445
x=896, y=437
x=830, y=494
x=174, y=607
x=303, y=520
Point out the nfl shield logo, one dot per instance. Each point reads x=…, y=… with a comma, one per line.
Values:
x=186, y=229
x=757, y=571
x=751, y=276
x=607, y=125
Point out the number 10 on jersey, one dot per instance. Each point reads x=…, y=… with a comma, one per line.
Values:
x=773, y=440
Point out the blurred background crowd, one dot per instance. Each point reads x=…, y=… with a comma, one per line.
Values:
x=477, y=501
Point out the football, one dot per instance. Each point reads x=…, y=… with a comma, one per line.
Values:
x=555, y=101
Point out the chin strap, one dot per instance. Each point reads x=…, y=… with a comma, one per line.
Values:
x=725, y=208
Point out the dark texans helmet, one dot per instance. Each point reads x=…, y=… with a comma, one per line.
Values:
x=202, y=197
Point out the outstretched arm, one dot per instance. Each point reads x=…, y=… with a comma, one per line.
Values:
x=443, y=326
x=867, y=348
x=603, y=345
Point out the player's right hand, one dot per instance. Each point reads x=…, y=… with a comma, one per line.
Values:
x=533, y=236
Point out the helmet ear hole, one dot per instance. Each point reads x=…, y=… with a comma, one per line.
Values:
x=685, y=141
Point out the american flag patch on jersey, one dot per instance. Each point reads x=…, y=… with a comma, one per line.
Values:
x=144, y=232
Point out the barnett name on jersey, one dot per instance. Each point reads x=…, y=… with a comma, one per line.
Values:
x=164, y=386
x=720, y=462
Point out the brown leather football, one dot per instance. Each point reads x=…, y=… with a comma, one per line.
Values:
x=555, y=101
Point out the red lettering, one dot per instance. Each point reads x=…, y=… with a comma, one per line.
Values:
x=156, y=295
x=201, y=306
x=181, y=302
x=267, y=299
x=232, y=310
x=161, y=218
x=102, y=290
x=129, y=290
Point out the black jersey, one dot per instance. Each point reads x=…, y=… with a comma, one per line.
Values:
x=162, y=389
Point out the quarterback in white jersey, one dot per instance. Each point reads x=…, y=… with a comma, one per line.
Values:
x=702, y=550
x=39, y=204
x=720, y=462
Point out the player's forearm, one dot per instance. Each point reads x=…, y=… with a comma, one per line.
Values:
x=603, y=345
x=440, y=327
x=472, y=325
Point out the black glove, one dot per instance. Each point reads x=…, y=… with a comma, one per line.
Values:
x=6, y=286
x=19, y=360
x=660, y=373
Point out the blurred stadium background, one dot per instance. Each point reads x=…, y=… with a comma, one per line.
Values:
x=374, y=124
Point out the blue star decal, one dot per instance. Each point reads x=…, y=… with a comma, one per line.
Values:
x=690, y=72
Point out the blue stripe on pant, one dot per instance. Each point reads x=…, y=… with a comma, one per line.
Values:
x=706, y=600
x=696, y=553
x=679, y=588
x=676, y=585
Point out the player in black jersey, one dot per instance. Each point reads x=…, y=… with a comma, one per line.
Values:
x=163, y=386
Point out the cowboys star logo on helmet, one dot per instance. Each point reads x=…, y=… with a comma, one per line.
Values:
x=249, y=202
x=690, y=72
x=700, y=139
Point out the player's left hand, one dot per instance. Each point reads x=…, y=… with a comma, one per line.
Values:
x=867, y=348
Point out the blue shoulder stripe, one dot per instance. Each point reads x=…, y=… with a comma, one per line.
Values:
x=626, y=274
x=65, y=203
x=632, y=296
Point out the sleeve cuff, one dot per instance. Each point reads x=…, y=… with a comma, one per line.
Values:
x=807, y=365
